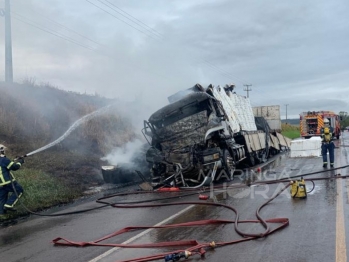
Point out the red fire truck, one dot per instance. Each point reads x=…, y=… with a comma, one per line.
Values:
x=311, y=123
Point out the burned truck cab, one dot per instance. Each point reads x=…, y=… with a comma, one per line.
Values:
x=204, y=134
x=190, y=141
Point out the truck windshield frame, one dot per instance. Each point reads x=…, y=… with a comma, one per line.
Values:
x=183, y=112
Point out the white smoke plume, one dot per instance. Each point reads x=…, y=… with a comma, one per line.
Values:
x=124, y=154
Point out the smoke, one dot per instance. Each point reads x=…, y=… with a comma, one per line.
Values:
x=125, y=154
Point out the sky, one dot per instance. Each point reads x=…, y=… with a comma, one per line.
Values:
x=292, y=53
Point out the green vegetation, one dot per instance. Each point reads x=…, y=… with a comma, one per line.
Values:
x=41, y=191
x=32, y=116
x=290, y=131
x=292, y=121
x=344, y=120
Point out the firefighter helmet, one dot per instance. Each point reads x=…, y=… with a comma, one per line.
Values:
x=2, y=150
x=326, y=121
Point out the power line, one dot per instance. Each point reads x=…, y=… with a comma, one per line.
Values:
x=133, y=19
x=217, y=69
x=120, y=19
x=31, y=23
x=69, y=29
x=152, y=29
x=224, y=72
x=209, y=64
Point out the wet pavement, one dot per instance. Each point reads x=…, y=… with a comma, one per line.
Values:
x=317, y=229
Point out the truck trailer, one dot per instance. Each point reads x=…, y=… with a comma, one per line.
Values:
x=204, y=134
x=271, y=114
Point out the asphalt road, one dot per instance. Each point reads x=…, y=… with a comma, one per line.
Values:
x=317, y=229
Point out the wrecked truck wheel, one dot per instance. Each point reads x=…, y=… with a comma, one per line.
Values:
x=262, y=159
x=228, y=164
x=273, y=151
x=251, y=160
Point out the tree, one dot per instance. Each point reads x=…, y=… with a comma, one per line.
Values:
x=344, y=119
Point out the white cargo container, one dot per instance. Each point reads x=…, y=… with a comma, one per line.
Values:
x=237, y=108
x=271, y=114
x=306, y=147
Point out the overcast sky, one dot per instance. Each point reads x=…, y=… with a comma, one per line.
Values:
x=292, y=52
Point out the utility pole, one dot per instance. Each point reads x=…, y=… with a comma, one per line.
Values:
x=286, y=112
x=8, y=44
x=247, y=89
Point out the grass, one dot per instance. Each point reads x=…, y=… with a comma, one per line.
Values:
x=290, y=131
x=62, y=173
x=41, y=191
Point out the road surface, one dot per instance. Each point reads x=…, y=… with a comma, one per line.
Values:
x=317, y=231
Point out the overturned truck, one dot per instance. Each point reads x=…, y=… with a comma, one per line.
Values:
x=204, y=134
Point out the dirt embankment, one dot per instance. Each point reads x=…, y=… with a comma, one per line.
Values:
x=32, y=116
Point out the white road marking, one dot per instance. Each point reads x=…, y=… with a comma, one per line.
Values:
x=107, y=253
x=341, y=250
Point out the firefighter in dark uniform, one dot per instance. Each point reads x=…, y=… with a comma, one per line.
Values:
x=327, y=143
x=8, y=182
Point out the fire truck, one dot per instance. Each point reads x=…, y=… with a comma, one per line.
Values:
x=311, y=123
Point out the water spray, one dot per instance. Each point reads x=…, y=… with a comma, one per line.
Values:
x=71, y=129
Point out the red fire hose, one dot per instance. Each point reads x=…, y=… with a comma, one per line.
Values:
x=193, y=246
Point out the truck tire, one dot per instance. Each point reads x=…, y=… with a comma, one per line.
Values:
x=274, y=151
x=262, y=158
x=251, y=160
x=228, y=163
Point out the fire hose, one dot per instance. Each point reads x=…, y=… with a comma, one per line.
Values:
x=195, y=191
x=193, y=247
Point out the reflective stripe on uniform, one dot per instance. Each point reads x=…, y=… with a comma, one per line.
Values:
x=2, y=179
x=9, y=165
x=14, y=203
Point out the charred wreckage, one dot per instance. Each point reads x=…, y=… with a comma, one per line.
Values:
x=204, y=134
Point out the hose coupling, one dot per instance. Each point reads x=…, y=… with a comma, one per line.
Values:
x=177, y=256
x=187, y=254
x=213, y=244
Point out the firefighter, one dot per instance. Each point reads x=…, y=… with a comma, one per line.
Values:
x=8, y=182
x=327, y=143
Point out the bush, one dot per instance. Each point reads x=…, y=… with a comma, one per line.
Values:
x=290, y=131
